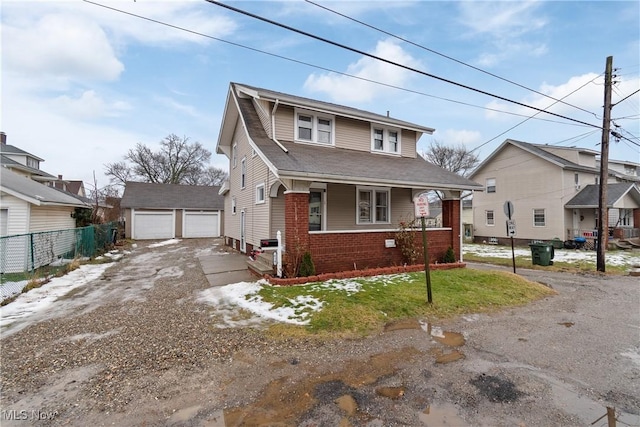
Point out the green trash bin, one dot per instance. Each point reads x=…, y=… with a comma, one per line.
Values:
x=541, y=253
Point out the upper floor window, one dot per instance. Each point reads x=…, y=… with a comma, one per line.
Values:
x=373, y=205
x=314, y=127
x=234, y=155
x=33, y=163
x=386, y=140
x=233, y=205
x=243, y=172
x=539, y=218
x=576, y=180
x=491, y=185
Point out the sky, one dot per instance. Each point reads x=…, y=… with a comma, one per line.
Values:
x=83, y=82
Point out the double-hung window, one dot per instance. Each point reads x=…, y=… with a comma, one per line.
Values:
x=539, y=218
x=243, y=172
x=234, y=155
x=373, y=205
x=489, y=219
x=385, y=140
x=491, y=185
x=260, y=197
x=314, y=127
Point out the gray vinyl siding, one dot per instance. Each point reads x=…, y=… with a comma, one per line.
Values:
x=353, y=134
x=408, y=145
x=341, y=208
x=285, y=123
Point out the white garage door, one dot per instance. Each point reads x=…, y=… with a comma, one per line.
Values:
x=201, y=224
x=153, y=225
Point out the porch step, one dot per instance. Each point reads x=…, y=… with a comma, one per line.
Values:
x=261, y=264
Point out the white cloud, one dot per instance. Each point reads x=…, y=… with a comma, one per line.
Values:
x=60, y=46
x=347, y=89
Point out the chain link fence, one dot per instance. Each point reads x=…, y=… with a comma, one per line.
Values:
x=21, y=255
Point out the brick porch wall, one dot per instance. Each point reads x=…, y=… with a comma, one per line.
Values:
x=350, y=251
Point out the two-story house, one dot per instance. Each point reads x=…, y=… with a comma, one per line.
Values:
x=335, y=181
x=554, y=192
x=27, y=203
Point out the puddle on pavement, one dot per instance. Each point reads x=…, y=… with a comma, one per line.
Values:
x=282, y=402
x=443, y=357
x=444, y=414
x=391, y=392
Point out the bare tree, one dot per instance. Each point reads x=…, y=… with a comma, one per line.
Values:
x=177, y=162
x=457, y=159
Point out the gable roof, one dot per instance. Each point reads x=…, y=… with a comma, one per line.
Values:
x=538, y=151
x=10, y=149
x=171, y=196
x=33, y=192
x=339, y=165
x=589, y=196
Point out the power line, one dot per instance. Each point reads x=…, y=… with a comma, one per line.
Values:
x=321, y=67
x=406, y=67
x=531, y=117
x=444, y=56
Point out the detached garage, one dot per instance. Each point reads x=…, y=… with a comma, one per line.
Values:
x=165, y=211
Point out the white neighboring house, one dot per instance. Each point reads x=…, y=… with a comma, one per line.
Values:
x=554, y=191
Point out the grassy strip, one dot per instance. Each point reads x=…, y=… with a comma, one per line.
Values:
x=386, y=298
x=582, y=266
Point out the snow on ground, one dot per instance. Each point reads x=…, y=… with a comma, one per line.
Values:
x=617, y=258
x=39, y=299
x=164, y=243
x=245, y=295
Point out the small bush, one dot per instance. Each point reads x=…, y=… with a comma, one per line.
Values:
x=449, y=256
x=307, y=268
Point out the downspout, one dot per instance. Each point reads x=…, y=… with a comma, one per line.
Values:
x=273, y=126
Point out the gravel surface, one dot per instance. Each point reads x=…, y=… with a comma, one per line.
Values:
x=137, y=347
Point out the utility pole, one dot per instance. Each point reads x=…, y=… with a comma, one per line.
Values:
x=603, y=214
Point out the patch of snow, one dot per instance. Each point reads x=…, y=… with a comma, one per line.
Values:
x=615, y=258
x=39, y=299
x=164, y=243
x=633, y=354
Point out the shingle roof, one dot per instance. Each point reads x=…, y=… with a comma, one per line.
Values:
x=34, y=192
x=333, y=164
x=12, y=164
x=589, y=196
x=285, y=98
x=538, y=150
x=10, y=149
x=171, y=196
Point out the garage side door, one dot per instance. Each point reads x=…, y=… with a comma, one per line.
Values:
x=153, y=225
x=201, y=224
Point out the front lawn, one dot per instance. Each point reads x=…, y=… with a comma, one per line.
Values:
x=364, y=305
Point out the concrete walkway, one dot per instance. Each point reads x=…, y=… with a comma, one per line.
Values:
x=223, y=268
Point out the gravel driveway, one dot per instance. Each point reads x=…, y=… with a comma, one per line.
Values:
x=137, y=347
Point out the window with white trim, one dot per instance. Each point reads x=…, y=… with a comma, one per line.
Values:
x=234, y=155
x=233, y=205
x=243, y=172
x=489, y=218
x=373, y=205
x=539, y=218
x=385, y=140
x=260, y=197
x=314, y=127
x=491, y=185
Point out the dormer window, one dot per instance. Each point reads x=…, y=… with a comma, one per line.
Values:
x=314, y=128
x=33, y=163
x=385, y=140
